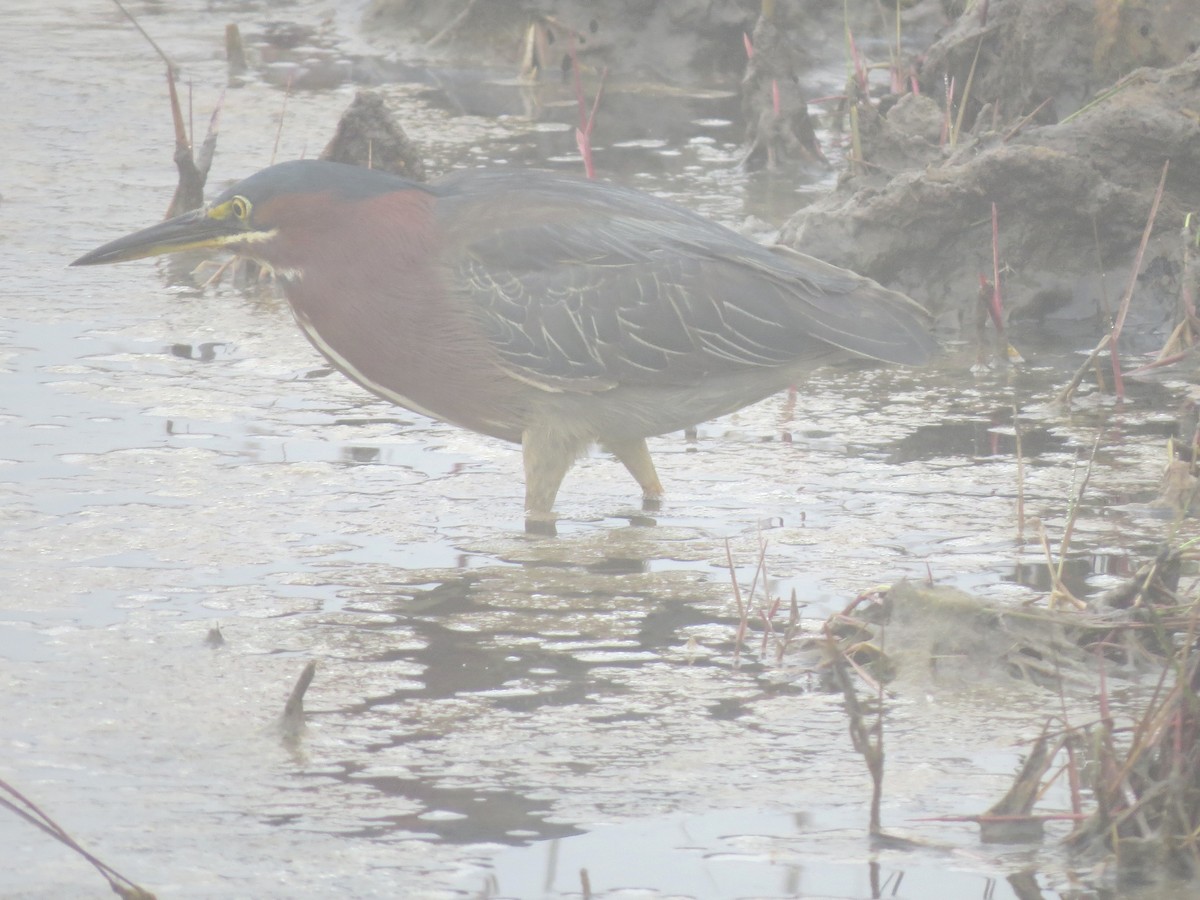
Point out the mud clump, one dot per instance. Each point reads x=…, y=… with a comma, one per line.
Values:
x=1072, y=200
x=367, y=135
x=1024, y=53
x=778, y=127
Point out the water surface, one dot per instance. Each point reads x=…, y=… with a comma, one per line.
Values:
x=491, y=711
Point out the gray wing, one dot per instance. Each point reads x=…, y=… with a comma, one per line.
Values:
x=615, y=287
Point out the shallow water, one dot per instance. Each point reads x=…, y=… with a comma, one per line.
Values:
x=491, y=711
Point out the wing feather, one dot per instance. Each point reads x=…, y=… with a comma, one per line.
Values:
x=584, y=286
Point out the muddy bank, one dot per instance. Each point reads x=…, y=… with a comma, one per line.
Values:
x=1062, y=115
x=681, y=42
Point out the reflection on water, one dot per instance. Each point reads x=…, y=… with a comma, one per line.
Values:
x=975, y=439
x=731, y=853
x=205, y=352
x=455, y=815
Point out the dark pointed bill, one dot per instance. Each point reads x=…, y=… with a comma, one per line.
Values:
x=191, y=231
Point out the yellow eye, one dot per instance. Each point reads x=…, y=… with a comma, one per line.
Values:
x=240, y=207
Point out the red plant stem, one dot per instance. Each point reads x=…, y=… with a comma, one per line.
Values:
x=583, y=142
x=583, y=134
x=1102, y=700
x=1165, y=361
x=860, y=70
x=997, y=308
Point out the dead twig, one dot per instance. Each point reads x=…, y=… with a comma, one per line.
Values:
x=867, y=739
x=962, y=106
x=1024, y=121
x=1065, y=395
x=157, y=49
x=452, y=26
x=193, y=169
x=291, y=723
x=36, y=816
x=1135, y=270
x=1020, y=475
x=1058, y=590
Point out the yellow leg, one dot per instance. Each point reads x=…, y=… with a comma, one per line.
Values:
x=547, y=458
x=635, y=455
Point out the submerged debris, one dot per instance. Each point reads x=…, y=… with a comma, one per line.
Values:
x=368, y=135
x=940, y=633
x=1146, y=780
x=291, y=723
x=1154, y=584
x=778, y=127
x=1145, y=775
x=1010, y=820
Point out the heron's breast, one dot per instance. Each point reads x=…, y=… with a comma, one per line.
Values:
x=378, y=306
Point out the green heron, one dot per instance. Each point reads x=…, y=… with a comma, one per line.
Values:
x=542, y=309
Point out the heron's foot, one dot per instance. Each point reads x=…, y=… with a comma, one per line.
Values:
x=548, y=455
x=636, y=458
x=543, y=526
